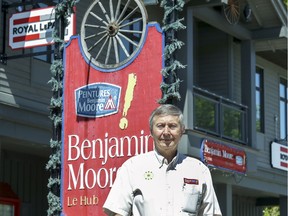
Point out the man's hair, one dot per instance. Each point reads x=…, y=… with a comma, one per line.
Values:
x=164, y=110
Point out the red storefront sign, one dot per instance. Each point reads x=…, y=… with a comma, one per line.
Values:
x=105, y=121
x=223, y=157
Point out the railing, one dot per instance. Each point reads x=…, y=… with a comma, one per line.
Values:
x=219, y=116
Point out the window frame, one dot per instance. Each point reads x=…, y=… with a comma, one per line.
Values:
x=283, y=119
x=259, y=89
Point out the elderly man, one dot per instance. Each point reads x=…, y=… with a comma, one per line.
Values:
x=163, y=182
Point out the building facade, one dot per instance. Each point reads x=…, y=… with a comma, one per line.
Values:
x=233, y=92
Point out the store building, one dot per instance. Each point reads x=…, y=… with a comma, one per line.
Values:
x=233, y=94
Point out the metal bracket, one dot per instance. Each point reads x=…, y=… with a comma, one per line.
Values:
x=3, y=59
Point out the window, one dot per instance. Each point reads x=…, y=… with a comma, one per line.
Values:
x=283, y=92
x=219, y=116
x=259, y=100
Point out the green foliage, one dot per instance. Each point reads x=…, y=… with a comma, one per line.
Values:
x=205, y=114
x=171, y=24
x=271, y=211
x=232, y=123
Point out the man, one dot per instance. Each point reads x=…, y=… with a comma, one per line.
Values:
x=163, y=182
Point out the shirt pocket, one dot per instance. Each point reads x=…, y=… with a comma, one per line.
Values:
x=191, y=196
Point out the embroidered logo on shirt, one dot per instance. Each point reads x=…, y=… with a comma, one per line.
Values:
x=191, y=181
x=148, y=175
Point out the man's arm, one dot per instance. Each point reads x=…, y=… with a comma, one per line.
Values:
x=119, y=200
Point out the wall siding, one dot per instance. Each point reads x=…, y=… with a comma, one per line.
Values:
x=272, y=74
x=245, y=206
x=212, y=50
x=236, y=74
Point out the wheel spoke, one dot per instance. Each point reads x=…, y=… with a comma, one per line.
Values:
x=97, y=17
x=123, y=11
x=128, y=39
x=117, y=9
x=130, y=23
x=108, y=50
x=102, y=47
x=111, y=11
x=122, y=46
x=130, y=31
x=129, y=15
x=104, y=11
x=95, y=26
x=97, y=42
x=95, y=35
x=231, y=11
x=116, y=50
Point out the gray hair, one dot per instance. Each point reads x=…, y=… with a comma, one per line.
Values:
x=166, y=109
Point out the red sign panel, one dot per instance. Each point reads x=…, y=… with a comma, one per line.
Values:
x=223, y=157
x=105, y=121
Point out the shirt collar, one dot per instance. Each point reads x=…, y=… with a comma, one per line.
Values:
x=163, y=160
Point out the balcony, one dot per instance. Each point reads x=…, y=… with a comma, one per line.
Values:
x=219, y=116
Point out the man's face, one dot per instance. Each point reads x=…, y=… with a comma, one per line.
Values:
x=166, y=132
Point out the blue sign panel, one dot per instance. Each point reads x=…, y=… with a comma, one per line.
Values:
x=97, y=99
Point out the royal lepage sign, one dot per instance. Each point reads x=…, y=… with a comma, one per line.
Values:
x=105, y=121
x=35, y=27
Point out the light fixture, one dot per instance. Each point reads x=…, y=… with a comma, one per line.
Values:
x=19, y=8
x=247, y=12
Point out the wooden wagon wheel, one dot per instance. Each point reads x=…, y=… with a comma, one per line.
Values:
x=232, y=11
x=113, y=32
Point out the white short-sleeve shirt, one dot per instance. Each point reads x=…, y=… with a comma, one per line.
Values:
x=147, y=186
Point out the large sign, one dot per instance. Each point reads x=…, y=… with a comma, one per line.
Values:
x=279, y=156
x=223, y=157
x=35, y=27
x=105, y=121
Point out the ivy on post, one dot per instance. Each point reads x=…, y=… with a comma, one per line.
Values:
x=54, y=164
x=62, y=10
x=171, y=24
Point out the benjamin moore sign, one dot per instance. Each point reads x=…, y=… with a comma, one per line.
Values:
x=105, y=121
x=35, y=27
x=223, y=156
x=97, y=99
